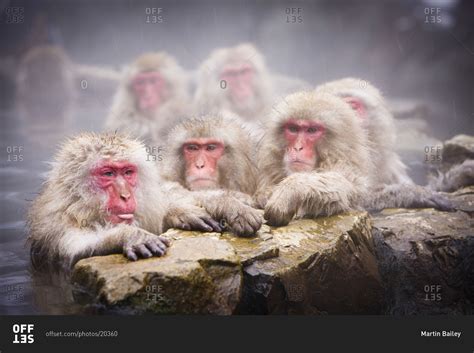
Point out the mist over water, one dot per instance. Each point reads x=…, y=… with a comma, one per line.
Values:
x=422, y=51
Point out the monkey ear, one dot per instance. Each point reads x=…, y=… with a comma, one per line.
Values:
x=357, y=105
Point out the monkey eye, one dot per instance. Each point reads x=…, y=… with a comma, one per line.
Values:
x=192, y=147
x=108, y=173
x=293, y=128
x=129, y=172
x=211, y=147
x=312, y=130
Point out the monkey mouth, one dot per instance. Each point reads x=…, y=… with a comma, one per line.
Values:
x=116, y=218
x=300, y=166
x=202, y=183
x=300, y=162
x=125, y=216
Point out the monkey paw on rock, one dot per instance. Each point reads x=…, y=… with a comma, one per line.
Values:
x=144, y=245
x=280, y=210
x=190, y=218
x=243, y=220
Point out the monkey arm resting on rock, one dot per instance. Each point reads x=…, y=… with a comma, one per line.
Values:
x=102, y=196
x=405, y=196
x=223, y=207
x=314, y=159
x=312, y=194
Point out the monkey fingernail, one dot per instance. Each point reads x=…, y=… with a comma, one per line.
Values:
x=164, y=240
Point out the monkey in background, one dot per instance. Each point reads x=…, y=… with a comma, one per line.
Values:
x=377, y=121
x=45, y=94
x=392, y=187
x=152, y=96
x=212, y=158
x=235, y=79
x=103, y=197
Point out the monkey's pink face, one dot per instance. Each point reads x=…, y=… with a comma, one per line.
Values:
x=301, y=138
x=240, y=82
x=118, y=181
x=202, y=157
x=357, y=105
x=149, y=89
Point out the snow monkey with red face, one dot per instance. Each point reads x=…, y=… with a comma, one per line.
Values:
x=102, y=196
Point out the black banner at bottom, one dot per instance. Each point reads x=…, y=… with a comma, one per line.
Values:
x=247, y=333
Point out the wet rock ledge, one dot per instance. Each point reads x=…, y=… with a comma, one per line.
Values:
x=396, y=262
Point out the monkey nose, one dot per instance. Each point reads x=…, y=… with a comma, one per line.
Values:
x=298, y=148
x=125, y=196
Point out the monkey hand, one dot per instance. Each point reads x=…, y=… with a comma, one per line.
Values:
x=143, y=244
x=190, y=217
x=242, y=219
x=438, y=201
x=280, y=207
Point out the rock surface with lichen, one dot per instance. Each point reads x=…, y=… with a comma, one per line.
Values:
x=353, y=263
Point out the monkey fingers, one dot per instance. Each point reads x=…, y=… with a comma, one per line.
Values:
x=130, y=253
x=193, y=219
x=142, y=251
x=156, y=248
x=164, y=241
x=245, y=222
x=203, y=223
x=441, y=202
x=144, y=246
x=280, y=208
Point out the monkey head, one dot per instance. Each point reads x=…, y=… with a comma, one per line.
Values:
x=362, y=97
x=152, y=79
x=212, y=152
x=312, y=131
x=239, y=78
x=235, y=79
x=102, y=178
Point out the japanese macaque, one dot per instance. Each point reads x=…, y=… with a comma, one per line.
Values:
x=392, y=187
x=315, y=160
x=234, y=79
x=152, y=96
x=212, y=157
x=46, y=93
x=103, y=197
x=378, y=122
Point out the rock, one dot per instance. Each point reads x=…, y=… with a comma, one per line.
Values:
x=426, y=260
x=310, y=266
x=198, y=275
x=396, y=262
x=463, y=199
x=325, y=265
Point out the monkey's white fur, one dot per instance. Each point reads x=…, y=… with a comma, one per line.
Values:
x=124, y=115
x=379, y=126
x=342, y=175
x=211, y=97
x=66, y=221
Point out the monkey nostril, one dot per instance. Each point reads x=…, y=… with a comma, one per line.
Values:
x=125, y=197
